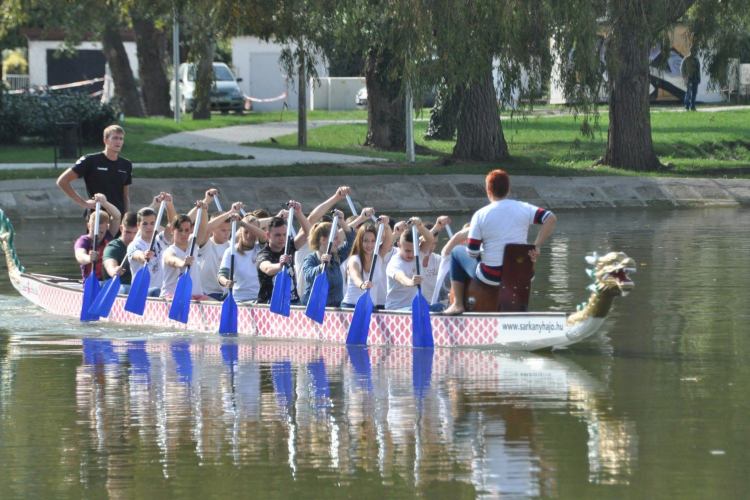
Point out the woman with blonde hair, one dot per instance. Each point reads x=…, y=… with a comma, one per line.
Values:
x=311, y=267
x=360, y=264
x=248, y=245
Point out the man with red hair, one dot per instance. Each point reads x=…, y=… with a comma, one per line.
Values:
x=500, y=223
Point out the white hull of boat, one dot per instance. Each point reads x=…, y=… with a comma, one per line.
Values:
x=505, y=331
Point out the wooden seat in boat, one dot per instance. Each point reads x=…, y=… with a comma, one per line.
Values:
x=515, y=285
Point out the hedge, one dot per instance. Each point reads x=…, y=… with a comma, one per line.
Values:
x=35, y=115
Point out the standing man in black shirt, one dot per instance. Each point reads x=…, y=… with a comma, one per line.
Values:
x=103, y=172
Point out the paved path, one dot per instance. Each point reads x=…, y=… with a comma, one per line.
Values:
x=228, y=140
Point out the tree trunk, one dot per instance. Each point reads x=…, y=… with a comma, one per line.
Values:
x=480, y=133
x=302, y=100
x=444, y=114
x=151, y=55
x=386, y=118
x=629, y=142
x=122, y=74
x=204, y=78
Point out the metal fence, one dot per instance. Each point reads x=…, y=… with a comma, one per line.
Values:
x=17, y=82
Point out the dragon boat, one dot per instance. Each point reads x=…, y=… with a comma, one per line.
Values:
x=527, y=331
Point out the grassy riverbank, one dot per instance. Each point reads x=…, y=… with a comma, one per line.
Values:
x=704, y=144
x=138, y=131
x=690, y=144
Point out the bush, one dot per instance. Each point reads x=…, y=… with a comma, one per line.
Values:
x=35, y=115
x=15, y=64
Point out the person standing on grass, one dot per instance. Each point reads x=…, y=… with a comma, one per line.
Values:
x=105, y=172
x=691, y=75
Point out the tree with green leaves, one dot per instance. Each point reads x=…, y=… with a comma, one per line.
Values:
x=102, y=20
x=630, y=28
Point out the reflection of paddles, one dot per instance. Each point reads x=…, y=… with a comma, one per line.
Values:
x=515, y=285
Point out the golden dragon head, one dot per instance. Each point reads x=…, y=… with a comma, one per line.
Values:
x=611, y=273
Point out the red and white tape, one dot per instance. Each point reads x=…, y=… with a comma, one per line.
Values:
x=249, y=99
x=64, y=85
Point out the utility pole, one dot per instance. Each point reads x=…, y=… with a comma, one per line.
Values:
x=176, y=61
x=409, y=125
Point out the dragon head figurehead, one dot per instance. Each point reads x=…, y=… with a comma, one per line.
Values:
x=611, y=275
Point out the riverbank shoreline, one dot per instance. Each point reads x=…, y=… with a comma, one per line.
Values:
x=36, y=198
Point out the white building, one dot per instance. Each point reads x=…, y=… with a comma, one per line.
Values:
x=257, y=63
x=48, y=66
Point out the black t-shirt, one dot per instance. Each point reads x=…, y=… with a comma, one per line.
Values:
x=105, y=176
x=266, y=281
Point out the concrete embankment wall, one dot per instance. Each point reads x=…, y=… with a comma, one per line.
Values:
x=395, y=194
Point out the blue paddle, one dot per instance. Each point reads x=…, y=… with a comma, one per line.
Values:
x=316, y=304
x=106, y=298
x=228, y=322
x=136, y=302
x=360, y=325
x=180, y=309
x=281, y=297
x=420, y=309
x=91, y=285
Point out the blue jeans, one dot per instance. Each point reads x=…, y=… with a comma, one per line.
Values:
x=124, y=289
x=347, y=305
x=462, y=265
x=154, y=291
x=218, y=296
x=690, y=92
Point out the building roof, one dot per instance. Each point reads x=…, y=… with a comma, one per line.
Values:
x=60, y=35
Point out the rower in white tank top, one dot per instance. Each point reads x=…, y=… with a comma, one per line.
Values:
x=353, y=293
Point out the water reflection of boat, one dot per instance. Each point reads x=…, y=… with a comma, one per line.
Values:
x=474, y=417
x=510, y=331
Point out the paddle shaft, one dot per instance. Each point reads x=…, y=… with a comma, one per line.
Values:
x=195, y=235
x=96, y=235
x=378, y=241
x=288, y=231
x=218, y=203
x=415, y=238
x=231, y=258
x=156, y=227
x=354, y=210
x=331, y=237
x=449, y=230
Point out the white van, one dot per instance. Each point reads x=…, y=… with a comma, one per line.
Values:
x=226, y=95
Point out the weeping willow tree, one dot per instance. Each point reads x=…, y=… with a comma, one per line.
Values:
x=629, y=30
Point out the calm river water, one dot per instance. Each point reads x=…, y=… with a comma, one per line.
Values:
x=655, y=405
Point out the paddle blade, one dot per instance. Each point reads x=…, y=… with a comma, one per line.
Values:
x=360, y=325
x=180, y=309
x=228, y=322
x=421, y=324
x=282, y=294
x=136, y=302
x=90, y=292
x=106, y=298
x=316, y=306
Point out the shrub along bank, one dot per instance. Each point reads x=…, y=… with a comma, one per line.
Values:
x=35, y=115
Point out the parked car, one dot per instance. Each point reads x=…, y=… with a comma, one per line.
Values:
x=226, y=95
x=360, y=100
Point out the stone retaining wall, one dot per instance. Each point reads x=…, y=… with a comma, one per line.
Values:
x=397, y=194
